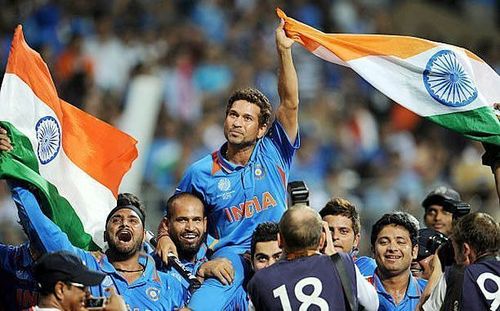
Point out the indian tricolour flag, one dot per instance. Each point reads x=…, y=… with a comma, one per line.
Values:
x=443, y=83
x=75, y=160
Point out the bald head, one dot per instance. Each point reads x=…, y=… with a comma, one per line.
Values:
x=300, y=228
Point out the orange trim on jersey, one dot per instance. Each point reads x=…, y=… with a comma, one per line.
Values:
x=215, y=163
x=282, y=175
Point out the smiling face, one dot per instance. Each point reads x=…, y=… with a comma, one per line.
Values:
x=438, y=219
x=125, y=232
x=241, y=126
x=266, y=254
x=187, y=225
x=393, y=250
x=344, y=239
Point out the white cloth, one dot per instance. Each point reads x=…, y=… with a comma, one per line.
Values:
x=436, y=298
x=367, y=295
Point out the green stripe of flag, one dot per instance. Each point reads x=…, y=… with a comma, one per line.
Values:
x=22, y=164
x=478, y=124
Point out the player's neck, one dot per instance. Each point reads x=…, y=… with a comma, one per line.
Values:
x=301, y=253
x=239, y=155
x=395, y=285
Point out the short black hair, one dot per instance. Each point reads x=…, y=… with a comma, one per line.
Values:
x=342, y=207
x=402, y=219
x=264, y=232
x=177, y=196
x=256, y=97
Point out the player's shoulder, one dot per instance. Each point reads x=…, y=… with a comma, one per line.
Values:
x=366, y=265
x=203, y=165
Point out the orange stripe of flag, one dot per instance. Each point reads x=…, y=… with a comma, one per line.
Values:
x=97, y=148
x=352, y=46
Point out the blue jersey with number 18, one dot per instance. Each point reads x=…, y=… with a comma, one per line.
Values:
x=238, y=198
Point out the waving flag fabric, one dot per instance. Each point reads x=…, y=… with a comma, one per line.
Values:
x=446, y=84
x=75, y=160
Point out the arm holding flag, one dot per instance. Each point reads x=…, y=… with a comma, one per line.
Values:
x=288, y=88
x=41, y=231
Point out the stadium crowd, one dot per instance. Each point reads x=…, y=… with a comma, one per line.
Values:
x=397, y=169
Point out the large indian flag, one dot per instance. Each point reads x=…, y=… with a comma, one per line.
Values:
x=443, y=83
x=75, y=160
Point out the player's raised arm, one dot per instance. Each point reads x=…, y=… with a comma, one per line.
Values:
x=288, y=88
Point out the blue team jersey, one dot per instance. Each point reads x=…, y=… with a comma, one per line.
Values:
x=409, y=301
x=366, y=265
x=238, y=198
x=18, y=287
x=154, y=290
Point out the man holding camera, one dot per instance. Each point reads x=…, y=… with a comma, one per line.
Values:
x=282, y=285
x=442, y=206
x=63, y=281
x=473, y=283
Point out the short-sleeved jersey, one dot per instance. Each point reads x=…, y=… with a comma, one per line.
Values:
x=154, y=290
x=238, y=198
x=366, y=265
x=307, y=283
x=18, y=287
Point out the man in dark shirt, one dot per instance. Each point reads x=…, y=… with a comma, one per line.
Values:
x=303, y=278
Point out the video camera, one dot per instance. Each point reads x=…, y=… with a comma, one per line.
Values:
x=298, y=193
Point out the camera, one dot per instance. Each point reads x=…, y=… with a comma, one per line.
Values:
x=298, y=193
x=429, y=241
x=95, y=303
x=458, y=209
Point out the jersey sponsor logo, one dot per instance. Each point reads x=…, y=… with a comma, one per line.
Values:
x=153, y=293
x=224, y=184
x=249, y=208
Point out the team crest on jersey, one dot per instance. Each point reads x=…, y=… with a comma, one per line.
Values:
x=224, y=184
x=153, y=293
x=259, y=171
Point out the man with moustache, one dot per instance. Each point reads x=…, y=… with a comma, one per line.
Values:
x=394, y=244
x=186, y=221
x=129, y=272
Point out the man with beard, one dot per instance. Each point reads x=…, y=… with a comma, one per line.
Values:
x=394, y=244
x=129, y=272
x=186, y=221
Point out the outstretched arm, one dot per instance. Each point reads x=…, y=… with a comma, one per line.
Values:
x=288, y=88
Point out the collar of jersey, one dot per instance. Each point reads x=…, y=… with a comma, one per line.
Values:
x=412, y=291
x=144, y=260
x=229, y=167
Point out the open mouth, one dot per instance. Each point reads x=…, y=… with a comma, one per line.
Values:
x=124, y=236
x=189, y=236
x=392, y=257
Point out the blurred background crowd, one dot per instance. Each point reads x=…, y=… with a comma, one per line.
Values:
x=356, y=143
